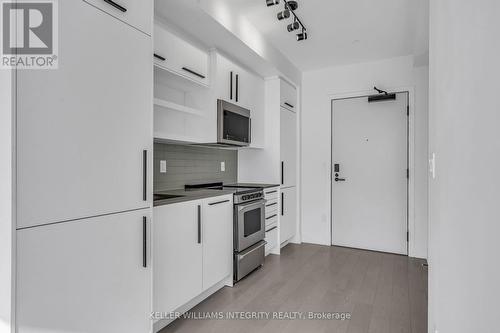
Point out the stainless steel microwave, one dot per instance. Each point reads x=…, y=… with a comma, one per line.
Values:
x=234, y=126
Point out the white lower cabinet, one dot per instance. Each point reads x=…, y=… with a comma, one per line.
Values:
x=272, y=219
x=177, y=255
x=217, y=239
x=192, y=250
x=288, y=220
x=85, y=276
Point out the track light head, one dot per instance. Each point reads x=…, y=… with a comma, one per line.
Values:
x=284, y=14
x=270, y=3
x=302, y=36
x=293, y=26
x=292, y=5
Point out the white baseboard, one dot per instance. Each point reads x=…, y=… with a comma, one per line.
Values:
x=162, y=323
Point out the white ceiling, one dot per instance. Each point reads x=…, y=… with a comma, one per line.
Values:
x=343, y=31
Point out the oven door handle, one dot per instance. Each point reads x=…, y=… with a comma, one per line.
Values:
x=252, y=249
x=252, y=205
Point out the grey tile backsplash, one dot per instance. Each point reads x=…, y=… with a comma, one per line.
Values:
x=188, y=165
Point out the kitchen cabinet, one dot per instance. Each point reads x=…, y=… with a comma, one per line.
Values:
x=237, y=85
x=84, y=130
x=85, y=276
x=136, y=13
x=288, y=147
x=217, y=239
x=288, y=96
x=177, y=253
x=193, y=247
x=178, y=56
x=272, y=195
x=271, y=239
x=288, y=218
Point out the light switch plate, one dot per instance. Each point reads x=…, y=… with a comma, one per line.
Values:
x=223, y=166
x=163, y=166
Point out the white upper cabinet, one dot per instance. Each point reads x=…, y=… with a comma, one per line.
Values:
x=137, y=13
x=85, y=276
x=175, y=54
x=236, y=85
x=288, y=147
x=217, y=238
x=288, y=98
x=84, y=129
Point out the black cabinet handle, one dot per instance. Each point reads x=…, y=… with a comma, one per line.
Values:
x=117, y=6
x=274, y=203
x=199, y=224
x=249, y=127
x=218, y=203
x=144, y=242
x=231, y=86
x=270, y=217
x=282, y=172
x=282, y=203
x=193, y=72
x=237, y=86
x=337, y=179
x=145, y=175
x=271, y=192
x=271, y=229
x=159, y=57
x=289, y=105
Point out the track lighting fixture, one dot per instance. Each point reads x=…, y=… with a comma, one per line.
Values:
x=290, y=7
x=272, y=2
x=283, y=15
x=302, y=35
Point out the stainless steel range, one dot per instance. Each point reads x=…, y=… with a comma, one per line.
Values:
x=249, y=231
x=249, y=227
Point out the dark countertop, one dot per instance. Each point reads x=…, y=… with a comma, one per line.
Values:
x=255, y=185
x=189, y=195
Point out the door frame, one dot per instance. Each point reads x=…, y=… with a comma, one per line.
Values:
x=410, y=157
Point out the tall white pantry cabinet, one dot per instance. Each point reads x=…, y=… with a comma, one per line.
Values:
x=288, y=153
x=84, y=175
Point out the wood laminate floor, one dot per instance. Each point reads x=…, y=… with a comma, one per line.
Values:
x=384, y=293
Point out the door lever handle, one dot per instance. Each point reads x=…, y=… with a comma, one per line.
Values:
x=337, y=179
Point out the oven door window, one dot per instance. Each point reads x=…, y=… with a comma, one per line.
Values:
x=236, y=127
x=252, y=222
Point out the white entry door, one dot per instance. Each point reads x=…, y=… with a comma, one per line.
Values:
x=369, y=182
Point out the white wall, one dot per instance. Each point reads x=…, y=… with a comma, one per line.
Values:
x=464, y=117
x=6, y=226
x=317, y=89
